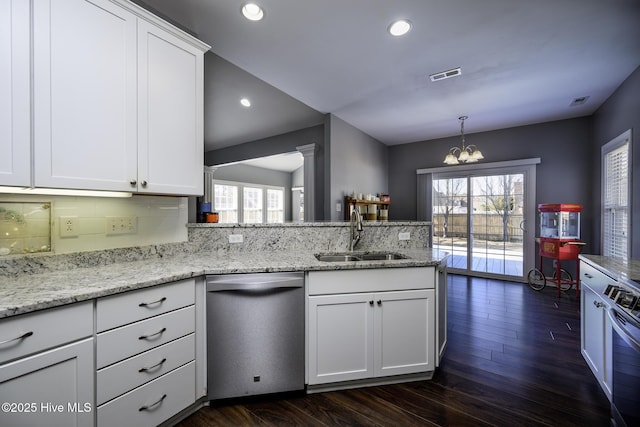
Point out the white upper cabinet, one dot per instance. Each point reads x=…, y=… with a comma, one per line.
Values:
x=117, y=99
x=84, y=95
x=170, y=106
x=15, y=133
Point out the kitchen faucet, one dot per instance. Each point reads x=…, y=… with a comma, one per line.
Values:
x=356, y=227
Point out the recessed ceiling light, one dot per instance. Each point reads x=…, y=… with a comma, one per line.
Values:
x=245, y=102
x=399, y=27
x=252, y=12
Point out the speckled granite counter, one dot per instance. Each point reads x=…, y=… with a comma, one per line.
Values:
x=615, y=267
x=39, y=285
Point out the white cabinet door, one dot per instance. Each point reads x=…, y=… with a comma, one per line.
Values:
x=85, y=113
x=15, y=121
x=404, y=332
x=53, y=388
x=596, y=337
x=340, y=338
x=170, y=95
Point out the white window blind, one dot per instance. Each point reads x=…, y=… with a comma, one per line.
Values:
x=616, y=178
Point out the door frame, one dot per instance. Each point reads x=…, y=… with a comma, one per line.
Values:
x=524, y=166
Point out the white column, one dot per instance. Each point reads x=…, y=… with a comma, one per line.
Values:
x=308, y=152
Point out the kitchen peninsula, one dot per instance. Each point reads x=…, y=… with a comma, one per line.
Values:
x=34, y=286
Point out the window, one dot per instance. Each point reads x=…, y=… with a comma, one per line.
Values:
x=248, y=203
x=275, y=206
x=616, y=190
x=252, y=205
x=226, y=202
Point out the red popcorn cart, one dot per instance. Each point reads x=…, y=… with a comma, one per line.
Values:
x=559, y=240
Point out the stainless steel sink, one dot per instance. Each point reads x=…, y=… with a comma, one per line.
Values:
x=381, y=256
x=365, y=256
x=337, y=257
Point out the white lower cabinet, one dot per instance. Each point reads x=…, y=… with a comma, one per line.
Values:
x=46, y=368
x=152, y=403
x=596, y=332
x=364, y=335
x=146, y=369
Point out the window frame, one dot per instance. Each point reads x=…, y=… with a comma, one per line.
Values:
x=611, y=146
x=240, y=200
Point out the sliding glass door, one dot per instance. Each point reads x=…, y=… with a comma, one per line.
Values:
x=480, y=218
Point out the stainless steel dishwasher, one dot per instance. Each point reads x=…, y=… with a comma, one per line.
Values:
x=255, y=334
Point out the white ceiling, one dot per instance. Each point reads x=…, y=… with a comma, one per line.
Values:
x=522, y=62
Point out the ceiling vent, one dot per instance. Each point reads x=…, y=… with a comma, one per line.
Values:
x=578, y=101
x=455, y=72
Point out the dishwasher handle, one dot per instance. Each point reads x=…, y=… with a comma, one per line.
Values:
x=249, y=283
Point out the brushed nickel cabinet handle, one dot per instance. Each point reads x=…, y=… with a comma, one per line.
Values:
x=21, y=337
x=598, y=304
x=146, y=304
x=148, y=407
x=379, y=302
x=146, y=337
x=144, y=183
x=371, y=302
x=150, y=368
x=133, y=182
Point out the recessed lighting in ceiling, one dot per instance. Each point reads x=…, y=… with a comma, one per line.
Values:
x=399, y=27
x=252, y=11
x=245, y=102
x=454, y=72
x=578, y=101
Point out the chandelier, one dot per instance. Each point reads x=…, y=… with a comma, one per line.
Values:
x=466, y=154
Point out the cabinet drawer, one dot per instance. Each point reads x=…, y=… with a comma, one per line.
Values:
x=593, y=277
x=131, y=373
x=44, y=329
x=370, y=280
x=118, y=344
x=129, y=307
x=152, y=403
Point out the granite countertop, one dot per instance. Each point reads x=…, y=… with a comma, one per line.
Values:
x=32, y=292
x=616, y=268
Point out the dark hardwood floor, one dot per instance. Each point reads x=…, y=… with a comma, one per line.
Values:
x=513, y=359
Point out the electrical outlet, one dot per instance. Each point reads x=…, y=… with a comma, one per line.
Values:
x=68, y=226
x=121, y=225
x=404, y=236
x=338, y=207
x=235, y=238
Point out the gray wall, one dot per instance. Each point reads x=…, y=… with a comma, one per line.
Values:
x=285, y=143
x=618, y=114
x=358, y=163
x=563, y=176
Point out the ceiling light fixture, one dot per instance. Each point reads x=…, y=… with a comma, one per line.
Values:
x=466, y=154
x=245, y=102
x=400, y=27
x=252, y=12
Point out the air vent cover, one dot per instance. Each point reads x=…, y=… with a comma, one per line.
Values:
x=578, y=101
x=454, y=72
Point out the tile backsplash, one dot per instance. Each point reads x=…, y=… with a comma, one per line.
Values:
x=158, y=219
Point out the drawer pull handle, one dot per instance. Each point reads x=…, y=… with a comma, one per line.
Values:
x=146, y=337
x=379, y=302
x=21, y=337
x=148, y=407
x=146, y=304
x=588, y=275
x=150, y=368
x=598, y=304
